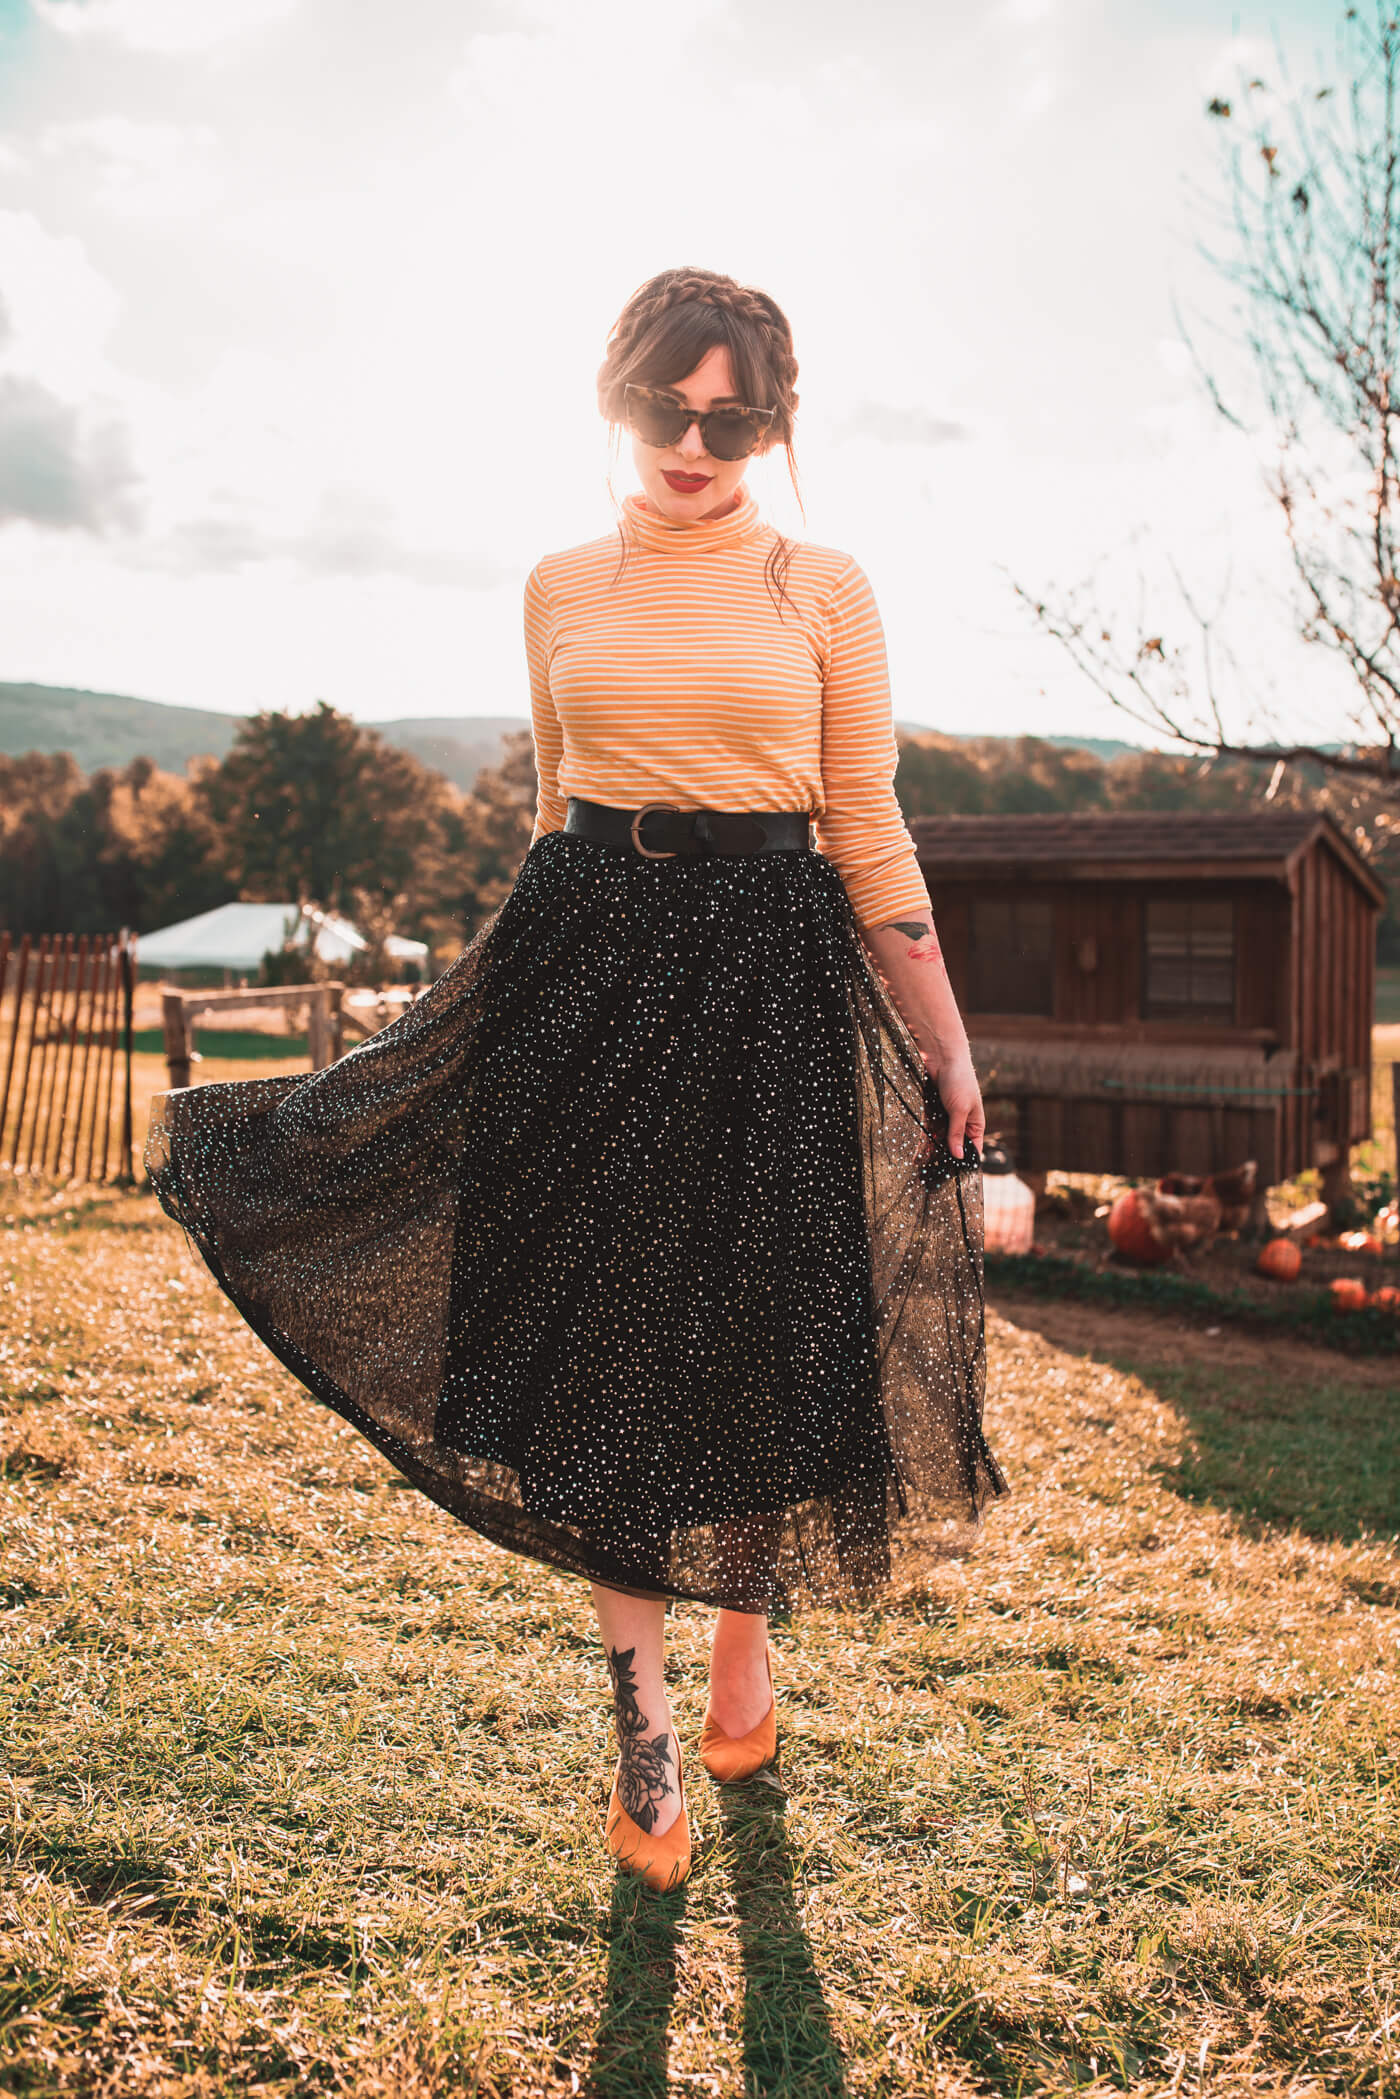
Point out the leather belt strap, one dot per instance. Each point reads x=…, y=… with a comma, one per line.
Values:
x=659, y=830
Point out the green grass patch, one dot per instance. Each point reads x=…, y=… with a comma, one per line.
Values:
x=229, y=1042
x=1307, y=1313
x=1387, y=996
x=305, y=1784
x=1312, y=1454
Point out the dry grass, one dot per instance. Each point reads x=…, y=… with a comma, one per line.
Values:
x=306, y=1783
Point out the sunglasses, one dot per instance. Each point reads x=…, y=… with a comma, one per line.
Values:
x=726, y=433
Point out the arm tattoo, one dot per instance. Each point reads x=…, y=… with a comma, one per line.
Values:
x=916, y=930
x=641, y=1782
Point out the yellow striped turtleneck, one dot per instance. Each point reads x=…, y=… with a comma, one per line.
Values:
x=661, y=671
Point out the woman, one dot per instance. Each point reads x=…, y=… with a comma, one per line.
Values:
x=643, y=1242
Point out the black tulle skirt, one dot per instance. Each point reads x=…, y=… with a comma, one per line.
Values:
x=634, y=1242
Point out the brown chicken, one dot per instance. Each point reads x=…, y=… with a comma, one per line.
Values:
x=1185, y=1223
x=1233, y=1191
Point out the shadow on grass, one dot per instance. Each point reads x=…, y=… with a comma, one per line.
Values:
x=1278, y=1446
x=790, y=2051
x=629, y=2054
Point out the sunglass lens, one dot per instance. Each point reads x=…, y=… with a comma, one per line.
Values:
x=731, y=436
x=655, y=422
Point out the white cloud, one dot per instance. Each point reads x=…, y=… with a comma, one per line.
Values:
x=61, y=307
x=907, y=425
x=58, y=468
x=147, y=171
x=1037, y=95
x=351, y=533
x=171, y=26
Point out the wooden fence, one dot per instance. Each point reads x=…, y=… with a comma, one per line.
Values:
x=181, y=1009
x=65, y=1055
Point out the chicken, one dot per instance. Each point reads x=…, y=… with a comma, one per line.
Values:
x=1185, y=1223
x=1233, y=1191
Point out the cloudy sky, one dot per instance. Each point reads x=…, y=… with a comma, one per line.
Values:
x=301, y=303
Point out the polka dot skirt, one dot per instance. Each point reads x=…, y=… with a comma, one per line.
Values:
x=635, y=1242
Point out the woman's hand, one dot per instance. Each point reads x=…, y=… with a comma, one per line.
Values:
x=962, y=1097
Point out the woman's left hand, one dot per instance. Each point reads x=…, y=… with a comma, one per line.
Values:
x=962, y=1097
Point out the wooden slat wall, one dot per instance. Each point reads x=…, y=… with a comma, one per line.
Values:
x=1111, y=915
x=1261, y=955
x=1305, y=973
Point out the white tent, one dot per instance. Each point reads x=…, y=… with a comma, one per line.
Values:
x=237, y=936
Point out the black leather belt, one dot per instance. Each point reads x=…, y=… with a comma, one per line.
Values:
x=670, y=830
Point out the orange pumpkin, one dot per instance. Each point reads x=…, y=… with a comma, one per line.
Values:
x=1348, y=1294
x=1131, y=1230
x=1387, y=1298
x=1282, y=1259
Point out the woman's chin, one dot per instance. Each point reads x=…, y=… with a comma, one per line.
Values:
x=679, y=509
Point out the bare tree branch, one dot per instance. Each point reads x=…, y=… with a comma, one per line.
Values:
x=1313, y=238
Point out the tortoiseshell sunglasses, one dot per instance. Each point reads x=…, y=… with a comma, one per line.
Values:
x=726, y=433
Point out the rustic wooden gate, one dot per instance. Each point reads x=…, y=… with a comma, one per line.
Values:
x=65, y=1055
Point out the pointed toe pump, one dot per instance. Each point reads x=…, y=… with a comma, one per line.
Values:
x=727, y=1758
x=661, y=1862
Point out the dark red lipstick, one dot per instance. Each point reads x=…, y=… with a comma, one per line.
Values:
x=687, y=484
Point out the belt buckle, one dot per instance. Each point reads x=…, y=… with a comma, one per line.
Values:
x=652, y=852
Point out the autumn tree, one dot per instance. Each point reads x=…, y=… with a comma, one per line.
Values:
x=315, y=808
x=86, y=854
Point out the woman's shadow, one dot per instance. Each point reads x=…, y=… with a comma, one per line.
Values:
x=789, y=2049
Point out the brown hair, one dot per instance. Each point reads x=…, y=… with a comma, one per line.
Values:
x=665, y=329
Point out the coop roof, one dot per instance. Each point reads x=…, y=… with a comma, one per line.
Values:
x=237, y=936
x=1184, y=843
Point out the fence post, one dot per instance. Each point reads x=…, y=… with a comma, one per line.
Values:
x=318, y=1028
x=20, y=975
x=128, y=969
x=177, y=1037
x=47, y=950
x=62, y=1130
x=100, y=944
x=336, y=994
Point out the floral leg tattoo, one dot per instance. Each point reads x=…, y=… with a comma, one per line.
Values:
x=642, y=1781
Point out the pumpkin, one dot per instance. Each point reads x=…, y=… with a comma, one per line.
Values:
x=1360, y=1243
x=1348, y=1294
x=1282, y=1259
x=1387, y=1298
x=1131, y=1229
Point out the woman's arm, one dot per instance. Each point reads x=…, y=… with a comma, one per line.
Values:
x=544, y=720
x=863, y=831
x=908, y=957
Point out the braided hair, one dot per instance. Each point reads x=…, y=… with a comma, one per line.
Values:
x=665, y=329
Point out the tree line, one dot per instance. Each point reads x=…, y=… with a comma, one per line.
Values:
x=311, y=808
x=317, y=808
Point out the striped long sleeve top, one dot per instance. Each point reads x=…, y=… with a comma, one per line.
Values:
x=661, y=671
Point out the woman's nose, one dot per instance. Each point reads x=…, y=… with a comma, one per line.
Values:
x=691, y=443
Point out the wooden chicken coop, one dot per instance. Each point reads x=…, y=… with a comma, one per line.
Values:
x=1150, y=992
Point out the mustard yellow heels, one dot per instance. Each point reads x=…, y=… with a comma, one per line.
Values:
x=727, y=1759
x=662, y=1862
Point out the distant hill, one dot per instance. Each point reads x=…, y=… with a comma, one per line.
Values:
x=1105, y=747
x=458, y=745
x=109, y=728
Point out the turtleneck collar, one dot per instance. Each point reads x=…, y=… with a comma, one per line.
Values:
x=646, y=528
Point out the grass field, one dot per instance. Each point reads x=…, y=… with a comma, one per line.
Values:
x=305, y=1783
